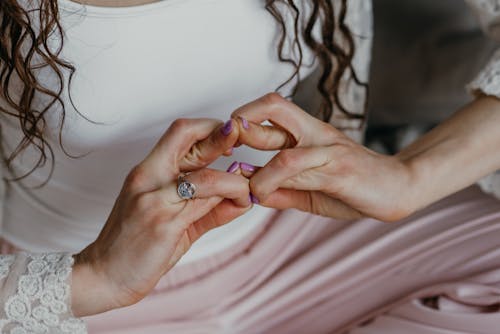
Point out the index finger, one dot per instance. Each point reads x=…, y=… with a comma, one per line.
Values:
x=300, y=128
x=174, y=145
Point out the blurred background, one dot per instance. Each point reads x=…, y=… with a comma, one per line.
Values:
x=424, y=53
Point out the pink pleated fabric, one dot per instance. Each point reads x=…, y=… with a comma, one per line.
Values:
x=435, y=272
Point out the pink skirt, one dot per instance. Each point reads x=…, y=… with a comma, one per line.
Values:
x=436, y=272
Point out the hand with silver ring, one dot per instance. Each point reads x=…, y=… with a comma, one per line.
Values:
x=157, y=216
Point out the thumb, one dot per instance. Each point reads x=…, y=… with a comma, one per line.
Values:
x=310, y=201
x=223, y=213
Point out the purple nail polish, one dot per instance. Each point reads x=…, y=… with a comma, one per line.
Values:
x=247, y=167
x=227, y=128
x=245, y=123
x=234, y=166
x=254, y=199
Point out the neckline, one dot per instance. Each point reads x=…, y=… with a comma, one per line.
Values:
x=92, y=10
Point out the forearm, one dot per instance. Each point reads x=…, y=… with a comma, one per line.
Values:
x=456, y=153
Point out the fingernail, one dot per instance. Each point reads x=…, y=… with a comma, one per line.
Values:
x=227, y=128
x=254, y=199
x=233, y=167
x=245, y=123
x=247, y=167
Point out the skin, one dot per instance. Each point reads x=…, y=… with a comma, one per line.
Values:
x=322, y=171
x=150, y=226
x=318, y=170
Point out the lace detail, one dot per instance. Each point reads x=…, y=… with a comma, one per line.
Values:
x=488, y=14
x=490, y=6
x=40, y=303
x=488, y=80
x=491, y=184
x=5, y=263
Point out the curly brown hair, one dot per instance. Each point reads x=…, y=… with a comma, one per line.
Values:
x=16, y=60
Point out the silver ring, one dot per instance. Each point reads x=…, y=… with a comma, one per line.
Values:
x=185, y=189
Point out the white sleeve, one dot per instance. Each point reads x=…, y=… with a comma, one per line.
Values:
x=488, y=80
x=488, y=15
x=35, y=294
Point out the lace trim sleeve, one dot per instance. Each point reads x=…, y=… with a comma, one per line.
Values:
x=488, y=15
x=36, y=295
x=488, y=80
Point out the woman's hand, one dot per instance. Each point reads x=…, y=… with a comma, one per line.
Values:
x=150, y=226
x=322, y=171
x=319, y=169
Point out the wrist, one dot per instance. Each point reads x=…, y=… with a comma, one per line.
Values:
x=415, y=192
x=454, y=154
x=89, y=291
x=433, y=172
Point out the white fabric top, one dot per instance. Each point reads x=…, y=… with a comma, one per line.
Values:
x=123, y=76
x=138, y=69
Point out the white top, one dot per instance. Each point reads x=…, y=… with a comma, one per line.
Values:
x=123, y=76
x=137, y=70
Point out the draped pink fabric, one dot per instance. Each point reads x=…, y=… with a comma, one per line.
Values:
x=435, y=272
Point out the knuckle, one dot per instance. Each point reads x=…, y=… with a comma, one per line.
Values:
x=256, y=188
x=136, y=179
x=286, y=158
x=207, y=177
x=329, y=132
x=180, y=124
x=242, y=187
x=273, y=99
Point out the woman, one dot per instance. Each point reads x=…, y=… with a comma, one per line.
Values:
x=271, y=271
